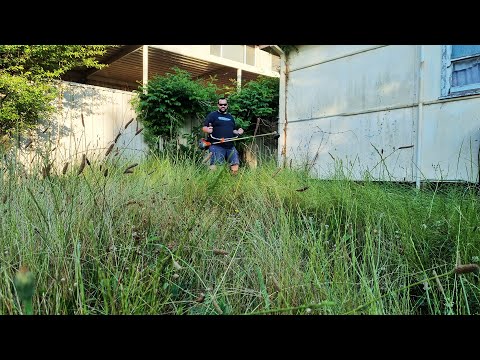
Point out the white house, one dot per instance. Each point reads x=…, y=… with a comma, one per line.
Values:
x=95, y=104
x=388, y=112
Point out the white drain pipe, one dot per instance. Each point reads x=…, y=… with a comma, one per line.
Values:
x=418, y=147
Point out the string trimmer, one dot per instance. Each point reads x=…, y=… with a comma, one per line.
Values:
x=204, y=144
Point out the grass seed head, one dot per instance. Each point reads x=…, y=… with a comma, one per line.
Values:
x=65, y=168
x=467, y=268
x=220, y=252
x=128, y=123
x=109, y=150
x=82, y=164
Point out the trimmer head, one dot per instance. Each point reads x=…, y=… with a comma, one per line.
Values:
x=203, y=144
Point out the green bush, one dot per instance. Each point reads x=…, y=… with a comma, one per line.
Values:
x=166, y=102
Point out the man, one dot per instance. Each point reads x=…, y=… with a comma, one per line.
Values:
x=220, y=125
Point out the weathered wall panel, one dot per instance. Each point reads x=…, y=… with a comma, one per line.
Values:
x=450, y=140
x=375, y=144
x=348, y=100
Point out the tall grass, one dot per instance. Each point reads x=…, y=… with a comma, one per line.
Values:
x=168, y=236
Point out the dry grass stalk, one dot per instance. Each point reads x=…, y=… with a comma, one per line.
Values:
x=128, y=123
x=65, y=168
x=176, y=265
x=217, y=307
x=439, y=284
x=82, y=164
x=109, y=150
x=83, y=122
x=207, y=158
x=276, y=285
x=29, y=142
x=276, y=172
x=466, y=268
x=138, y=131
x=220, y=252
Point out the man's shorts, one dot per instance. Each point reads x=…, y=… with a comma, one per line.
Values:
x=220, y=154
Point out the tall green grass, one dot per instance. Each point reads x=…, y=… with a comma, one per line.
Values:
x=172, y=237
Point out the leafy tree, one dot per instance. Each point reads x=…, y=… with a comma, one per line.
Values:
x=257, y=100
x=27, y=75
x=168, y=101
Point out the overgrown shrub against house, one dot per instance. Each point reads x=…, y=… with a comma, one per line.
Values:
x=166, y=102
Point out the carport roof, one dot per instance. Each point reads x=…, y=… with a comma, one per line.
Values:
x=125, y=68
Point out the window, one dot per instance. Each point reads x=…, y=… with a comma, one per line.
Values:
x=216, y=50
x=250, y=55
x=241, y=53
x=460, y=70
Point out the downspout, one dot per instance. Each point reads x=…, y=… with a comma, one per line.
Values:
x=282, y=111
x=145, y=68
x=418, y=147
x=285, y=87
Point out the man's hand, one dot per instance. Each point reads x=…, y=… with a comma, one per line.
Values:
x=208, y=129
x=238, y=132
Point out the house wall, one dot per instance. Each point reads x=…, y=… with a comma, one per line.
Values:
x=355, y=109
x=263, y=59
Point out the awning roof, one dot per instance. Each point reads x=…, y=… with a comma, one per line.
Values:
x=125, y=68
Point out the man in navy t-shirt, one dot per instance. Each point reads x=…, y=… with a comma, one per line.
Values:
x=221, y=125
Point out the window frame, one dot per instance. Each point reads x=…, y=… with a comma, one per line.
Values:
x=447, y=90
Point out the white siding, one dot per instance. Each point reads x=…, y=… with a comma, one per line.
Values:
x=349, y=101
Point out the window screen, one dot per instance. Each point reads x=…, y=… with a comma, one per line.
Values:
x=465, y=71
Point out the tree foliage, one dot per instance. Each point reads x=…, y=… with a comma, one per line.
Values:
x=27, y=74
x=258, y=99
x=168, y=101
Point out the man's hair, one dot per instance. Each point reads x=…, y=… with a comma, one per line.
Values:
x=222, y=98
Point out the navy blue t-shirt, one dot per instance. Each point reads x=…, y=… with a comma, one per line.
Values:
x=223, y=126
